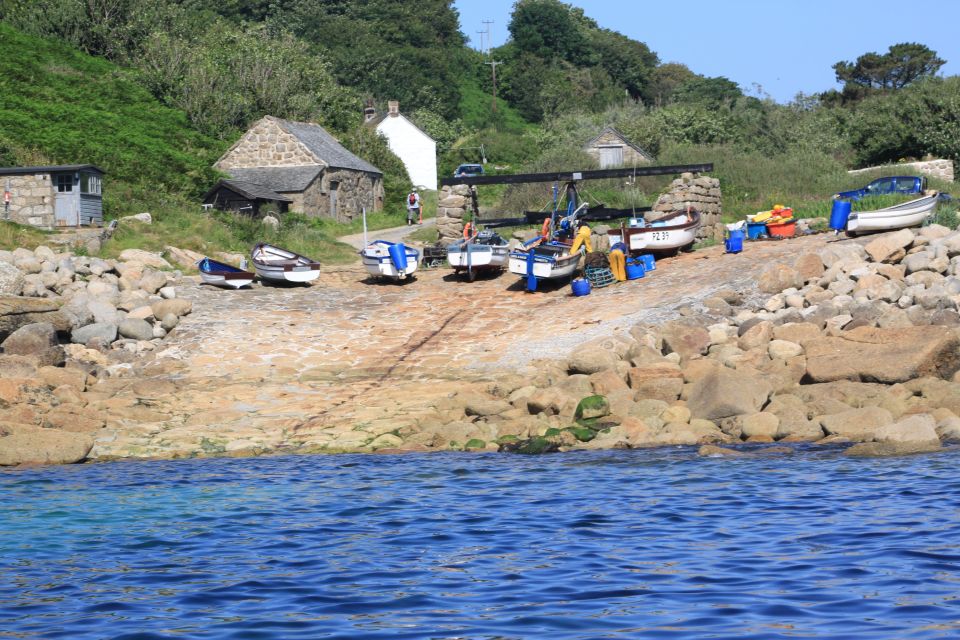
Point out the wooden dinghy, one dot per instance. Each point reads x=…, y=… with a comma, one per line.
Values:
x=484, y=251
x=223, y=275
x=674, y=231
x=900, y=216
x=279, y=265
x=393, y=260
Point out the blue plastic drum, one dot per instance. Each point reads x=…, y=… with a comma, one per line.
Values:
x=839, y=214
x=649, y=264
x=635, y=269
x=580, y=286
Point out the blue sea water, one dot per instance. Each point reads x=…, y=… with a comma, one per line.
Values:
x=617, y=544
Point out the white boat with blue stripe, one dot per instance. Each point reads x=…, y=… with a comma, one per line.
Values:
x=223, y=275
x=392, y=260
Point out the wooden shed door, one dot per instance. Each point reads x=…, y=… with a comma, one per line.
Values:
x=611, y=157
x=65, y=202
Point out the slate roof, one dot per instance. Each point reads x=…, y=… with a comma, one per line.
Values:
x=251, y=190
x=325, y=146
x=622, y=137
x=15, y=171
x=279, y=179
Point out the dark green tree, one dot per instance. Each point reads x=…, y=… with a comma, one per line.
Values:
x=630, y=63
x=712, y=92
x=548, y=29
x=666, y=79
x=902, y=65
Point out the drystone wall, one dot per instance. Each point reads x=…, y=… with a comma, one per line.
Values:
x=454, y=202
x=700, y=192
x=940, y=168
x=31, y=200
x=266, y=144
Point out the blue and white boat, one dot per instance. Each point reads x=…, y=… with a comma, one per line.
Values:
x=393, y=260
x=279, y=265
x=483, y=251
x=223, y=275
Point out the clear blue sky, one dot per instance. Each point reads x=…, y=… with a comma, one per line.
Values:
x=785, y=46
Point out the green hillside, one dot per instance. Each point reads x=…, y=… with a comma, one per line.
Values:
x=60, y=106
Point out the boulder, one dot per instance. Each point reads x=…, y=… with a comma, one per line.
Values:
x=11, y=280
x=186, y=258
x=778, y=277
x=809, y=266
x=135, y=329
x=884, y=355
x=104, y=312
x=144, y=218
x=27, y=444
x=889, y=247
x=713, y=451
x=756, y=336
x=760, y=424
x=920, y=427
x=783, y=349
x=16, y=312
x=177, y=306
x=725, y=392
x=169, y=322
x=153, y=281
x=858, y=425
x=885, y=449
x=591, y=360
x=106, y=333
x=685, y=337
x=656, y=382
x=38, y=340
x=146, y=258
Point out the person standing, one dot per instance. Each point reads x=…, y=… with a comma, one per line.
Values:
x=413, y=207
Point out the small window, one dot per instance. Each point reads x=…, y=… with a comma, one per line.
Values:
x=64, y=183
x=89, y=183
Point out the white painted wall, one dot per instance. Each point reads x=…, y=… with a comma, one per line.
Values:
x=417, y=150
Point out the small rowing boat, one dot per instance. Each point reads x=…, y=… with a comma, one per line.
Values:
x=674, y=231
x=223, y=275
x=393, y=260
x=279, y=265
x=484, y=251
x=900, y=216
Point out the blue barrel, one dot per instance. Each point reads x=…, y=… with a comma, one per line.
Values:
x=734, y=244
x=635, y=269
x=839, y=214
x=649, y=264
x=756, y=230
x=398, y=255
x=580, y=286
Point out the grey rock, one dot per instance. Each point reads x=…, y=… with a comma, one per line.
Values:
x=169, y=321
x=136, y=329
x=105, y=333
x=11, y=280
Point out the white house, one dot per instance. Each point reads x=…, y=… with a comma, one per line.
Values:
x=416, y=149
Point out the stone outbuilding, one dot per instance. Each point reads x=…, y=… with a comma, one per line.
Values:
x=410, y=143
x=610, y=148
x=68, y=195
x=303, y=164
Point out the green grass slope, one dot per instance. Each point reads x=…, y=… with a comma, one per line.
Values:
x=60, y=106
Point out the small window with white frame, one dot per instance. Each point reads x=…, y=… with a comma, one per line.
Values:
x=64, y=183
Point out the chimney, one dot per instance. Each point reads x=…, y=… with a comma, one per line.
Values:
x=393, y=108
x=369, y=113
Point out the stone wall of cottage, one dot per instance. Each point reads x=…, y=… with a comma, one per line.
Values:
x=609, y=138
x=31, y=199
x=266, y=144
x=355, y=191
x=700, y=192
x=453, y=204
x=939, y=168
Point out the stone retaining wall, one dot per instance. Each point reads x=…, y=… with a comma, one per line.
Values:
x=700, y=192
x=940, y=168
x=32, y=200
x=454, y=202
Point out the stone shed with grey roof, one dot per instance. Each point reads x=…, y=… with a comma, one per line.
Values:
x=301, y=163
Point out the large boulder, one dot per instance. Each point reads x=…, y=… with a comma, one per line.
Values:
x=656, y=382
x=177, y=306
x=27, y=444
x=725, y=392
x=858, y=425
x=685, y=337
x=186, y=258
x=890, y=247
x=777, y=277
x=884, y=355
x=146, y=258
x=11, y=280
x=136, y=329
x=921, y=427
x=16, y=312
x=38, y=340
x=104, y=332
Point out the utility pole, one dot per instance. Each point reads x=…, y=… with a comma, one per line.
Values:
x=493, y=68
x=488, y=23
x=481, y=41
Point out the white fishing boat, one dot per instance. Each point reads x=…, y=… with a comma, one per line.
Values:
x=393, y=260
x=223, y=275
x=543, y=261
x=279, y=265
x=674, y=231
x=900, y=216
x=485, y=251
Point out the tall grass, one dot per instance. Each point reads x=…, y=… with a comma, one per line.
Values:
x=13, y=235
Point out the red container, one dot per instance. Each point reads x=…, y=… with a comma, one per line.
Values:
x=782, y=230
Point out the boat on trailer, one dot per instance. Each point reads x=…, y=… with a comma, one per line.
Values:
x=279, y=265
x=676, y=230
x=907, y=214
x=392, y=260
x=484, y=251
x=223, y=275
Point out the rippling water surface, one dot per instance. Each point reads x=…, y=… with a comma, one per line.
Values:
x=623, y=544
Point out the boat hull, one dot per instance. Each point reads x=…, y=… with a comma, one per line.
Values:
x=379, y=263
x=545, y=267
x=480, y=257
x=223, y=275
x=655, y=239
x=279, y=265
x=908, y=214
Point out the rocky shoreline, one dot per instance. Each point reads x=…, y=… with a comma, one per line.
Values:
x=851, y=341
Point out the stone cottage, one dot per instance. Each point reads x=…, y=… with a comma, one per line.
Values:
x=304, y=165
x=416, y=149
x=611, y=149
x=67, y=195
